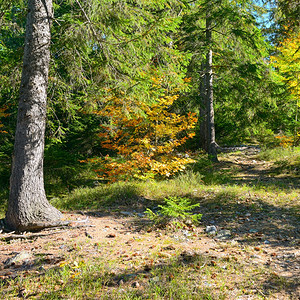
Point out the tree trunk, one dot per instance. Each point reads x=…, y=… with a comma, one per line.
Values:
x=203, y=138
x=212, y=146
x=28, y=208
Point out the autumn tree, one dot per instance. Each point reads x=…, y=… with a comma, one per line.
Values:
x=28, y=208
x=287, y=73
x=143, y=138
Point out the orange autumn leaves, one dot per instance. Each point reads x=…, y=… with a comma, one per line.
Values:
x=144, y=137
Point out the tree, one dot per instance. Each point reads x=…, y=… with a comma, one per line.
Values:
x=28, y=207
x=286, y=64
x=240, y=74
x=210, y=119
x=143, y=138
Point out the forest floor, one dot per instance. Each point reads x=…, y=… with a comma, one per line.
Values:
x=116, y=254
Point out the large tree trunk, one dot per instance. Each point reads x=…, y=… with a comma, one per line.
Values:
x=212, y=146
x=28, y=208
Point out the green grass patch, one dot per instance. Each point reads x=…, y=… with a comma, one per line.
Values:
x=287, y=160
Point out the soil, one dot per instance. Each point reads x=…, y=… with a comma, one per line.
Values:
x=271, y=239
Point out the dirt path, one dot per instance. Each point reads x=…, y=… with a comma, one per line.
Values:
x=250, y=231
x=250, y=170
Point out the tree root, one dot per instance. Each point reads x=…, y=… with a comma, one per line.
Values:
x=9, y=235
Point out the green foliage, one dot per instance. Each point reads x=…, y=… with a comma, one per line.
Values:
x=243, y=86
x=175, y=210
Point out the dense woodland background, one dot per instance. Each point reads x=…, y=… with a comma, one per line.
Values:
x=126, y=83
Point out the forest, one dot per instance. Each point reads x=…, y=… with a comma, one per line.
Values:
x=149, y=149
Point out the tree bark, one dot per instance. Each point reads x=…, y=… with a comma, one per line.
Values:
x=212, y=146
x=28, y=207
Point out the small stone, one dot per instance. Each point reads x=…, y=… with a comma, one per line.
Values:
x=224, y=234
x=255, y=256
x=21, y=257
x=212, y=230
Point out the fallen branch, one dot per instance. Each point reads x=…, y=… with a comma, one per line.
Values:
x=12, y=236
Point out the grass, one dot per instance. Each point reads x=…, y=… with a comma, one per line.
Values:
x=135, y=194
x=287, y=160
x=182, y=277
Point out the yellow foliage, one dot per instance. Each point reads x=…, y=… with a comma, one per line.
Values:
x=287, y=62
x=285, y=141
x=145, y=138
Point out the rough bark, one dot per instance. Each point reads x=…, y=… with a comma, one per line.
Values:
x=28, y=207
x=212, y=146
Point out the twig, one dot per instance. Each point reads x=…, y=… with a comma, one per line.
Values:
x=9, y=236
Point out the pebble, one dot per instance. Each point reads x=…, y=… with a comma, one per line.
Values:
x=211, y=230
x=224, y=234
x=21, y=257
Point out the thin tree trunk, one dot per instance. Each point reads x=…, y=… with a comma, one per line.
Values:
x=203, y=138
x=28, y=207
x=212, y=146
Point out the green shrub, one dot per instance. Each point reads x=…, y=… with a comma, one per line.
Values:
x=175, y=210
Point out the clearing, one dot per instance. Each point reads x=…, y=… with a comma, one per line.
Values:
x=115, y=253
